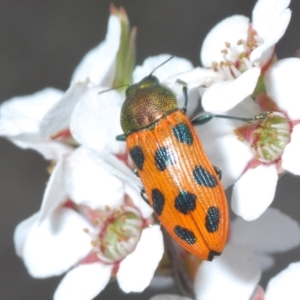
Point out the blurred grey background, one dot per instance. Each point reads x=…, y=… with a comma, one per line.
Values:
x=41, y=44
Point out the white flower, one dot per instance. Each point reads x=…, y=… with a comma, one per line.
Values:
x=20, y=119
x=90, y=225
x=285, y=285
x=264, y=148
x=233, y=275
x=95, y=121
x=236, y=273
x=98, y=65
x=274, y=232
x=240, y=51
x=42, y=121
x=95, y=73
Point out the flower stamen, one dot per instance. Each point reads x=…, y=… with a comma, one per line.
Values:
x=270, y=137
x=119, y=234
x=236, y=58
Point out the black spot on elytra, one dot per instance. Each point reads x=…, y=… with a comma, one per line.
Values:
x=138, y=156
x=158, y=200
x=164, y=157
x=212, y=254
x=212, y=219
x=183, y=134
x=185, y=202
x=185, y=234
x=203, y=177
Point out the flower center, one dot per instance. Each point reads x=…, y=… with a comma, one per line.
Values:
x=236, y=58
x=271, y=136
x=119, y=236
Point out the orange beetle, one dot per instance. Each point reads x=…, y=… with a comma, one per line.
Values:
x=181, y=184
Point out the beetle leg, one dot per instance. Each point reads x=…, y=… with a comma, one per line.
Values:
x=143, y=195
x=184, y=90
x=219, y=172
x=121, y=137
x=202, y=119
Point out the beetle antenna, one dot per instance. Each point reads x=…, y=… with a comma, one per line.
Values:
x=172, y=56
x=114, y=88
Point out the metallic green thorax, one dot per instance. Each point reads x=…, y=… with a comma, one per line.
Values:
x=145, y=103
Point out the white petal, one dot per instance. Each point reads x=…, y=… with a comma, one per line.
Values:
x=194, y=78
x=254, y=191
x=232, y=160
x=231, y=30
x=95, y=122
x=246, y=108
x=58, y=117
x=169, y=297
x=219, y=127
x=175, y=66
x=265, y=261
x=223, y=147
x=89, y=184
x=83, y=282
x=225, y=95
x=267, y=14
x=137, y=269
x=138, y=202
x=291, y=154
x=22, y=115
x=234, y=275
x=133, y=185
x=49, y=149
x=274, y=31
x=226, y=152
x=98, y=62
x=116, y=167
x=262, y=54
x=55, y=194
x=272, y=232
x=285, y=285
x=22, y=231
x=57, y=244
x=282, y=85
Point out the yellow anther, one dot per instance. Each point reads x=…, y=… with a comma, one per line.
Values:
x=227, y=44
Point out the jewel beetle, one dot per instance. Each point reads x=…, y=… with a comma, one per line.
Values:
x=180, y=183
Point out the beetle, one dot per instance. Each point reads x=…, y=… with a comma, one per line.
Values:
x=180, y=183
